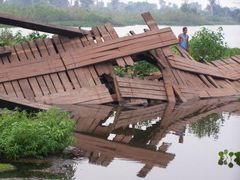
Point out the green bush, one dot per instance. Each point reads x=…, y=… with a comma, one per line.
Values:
x=139, y=69
x=7, y=38
x=208, y=45
x=24, y=135
x=231, y=52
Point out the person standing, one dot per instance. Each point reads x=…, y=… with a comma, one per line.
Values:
x=183, y=39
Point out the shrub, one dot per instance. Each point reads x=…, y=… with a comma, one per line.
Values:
x=7, y=38
x=208, y=45
x=139, y=69
x=231, y=52
x=24, y=135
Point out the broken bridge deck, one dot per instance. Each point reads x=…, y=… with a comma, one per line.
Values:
x=80, y=69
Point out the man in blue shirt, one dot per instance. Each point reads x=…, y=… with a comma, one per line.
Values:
x=183, y=39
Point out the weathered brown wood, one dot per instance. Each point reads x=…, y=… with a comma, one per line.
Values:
x=24, y=102
x=84, y=95
x=12, y=72
x=5, y=52
x=77, y=70
x=128, y=60
x=31, y=24
x=141, y=88
x=119, y=48
x=117, y=150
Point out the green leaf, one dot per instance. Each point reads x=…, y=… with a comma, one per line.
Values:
x=220, y=162
x=221, y=154
x=225, y=151
x=230, y=165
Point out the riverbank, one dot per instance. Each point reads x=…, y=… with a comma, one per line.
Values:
x=89, y=17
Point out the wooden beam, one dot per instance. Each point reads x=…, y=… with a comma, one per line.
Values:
x=4, y=52
x=37, y=26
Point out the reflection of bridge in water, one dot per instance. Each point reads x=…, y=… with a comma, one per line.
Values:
x=104, y=133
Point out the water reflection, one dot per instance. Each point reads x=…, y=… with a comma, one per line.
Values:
x=54, y=168
x=208, y=126
x=105, y=133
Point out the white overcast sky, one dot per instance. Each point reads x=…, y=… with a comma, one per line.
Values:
x=228, y=3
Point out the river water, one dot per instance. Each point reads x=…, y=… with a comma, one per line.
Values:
x=157, y=142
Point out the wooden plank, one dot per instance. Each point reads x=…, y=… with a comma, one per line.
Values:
x=150, y=21
x=83, y=75
x=26, y=89
x=139, y=81
x=157, y=87
x=24, y=102
x=108, y=35
x=2, y=89
x=20, y=57
x=144, y=91
x=35, y=86
x=43, y=85
x=9, y=89
x=113, y=34
x=37, y=26
x=50, y=46
x=65, y=81
x=5, y=52
x=83, y=95
x=57, y=83
x=17, y=89
x=34, y=49
x=102, y=68
x=143, y=95
x=31, y=68
x=115, y=49
x=47, y=79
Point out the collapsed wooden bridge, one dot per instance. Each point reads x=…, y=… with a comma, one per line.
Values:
x=76, y=67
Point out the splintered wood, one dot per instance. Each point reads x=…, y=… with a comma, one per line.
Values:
x=80, y=69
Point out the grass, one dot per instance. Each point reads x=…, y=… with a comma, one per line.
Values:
x=6, y=167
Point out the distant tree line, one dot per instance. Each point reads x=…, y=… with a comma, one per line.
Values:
x=189, y=13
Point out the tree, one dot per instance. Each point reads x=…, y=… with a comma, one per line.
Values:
x=208, y=45
x=162, y=4
x=100, y=4
x=114, y=4
x=191, y=7
x=140, y=6
x=86, y=3
x=59, y=3
x=76, y=3
x=26, y=2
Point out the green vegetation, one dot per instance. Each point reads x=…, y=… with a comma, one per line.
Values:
x=6, y=167
x=227, y=158
x=24, y=135
x=7, y=38
x=140, y=69
x=118, y=13
x=209, y=45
